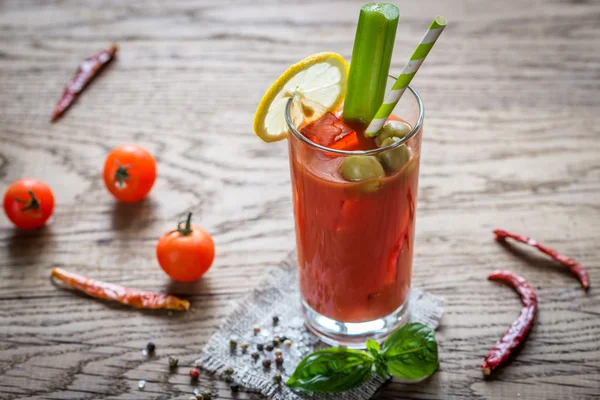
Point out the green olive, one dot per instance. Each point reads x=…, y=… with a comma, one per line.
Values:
x=361, y=168
x=393, y=159
x=393, y=129
x=371, y=186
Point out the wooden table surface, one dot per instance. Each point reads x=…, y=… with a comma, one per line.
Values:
x=511, y=140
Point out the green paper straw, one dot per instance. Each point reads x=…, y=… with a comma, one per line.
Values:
x=411, y=68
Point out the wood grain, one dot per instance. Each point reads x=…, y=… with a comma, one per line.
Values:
x=511, y=140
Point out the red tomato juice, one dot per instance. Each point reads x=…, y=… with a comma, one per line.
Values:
x=354, y=239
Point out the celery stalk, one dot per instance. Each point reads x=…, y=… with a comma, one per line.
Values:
x=370, y=64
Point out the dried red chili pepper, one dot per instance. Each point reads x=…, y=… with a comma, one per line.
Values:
x=110, y=291
x=516, y=333
x=576, y=268
x=88, y=69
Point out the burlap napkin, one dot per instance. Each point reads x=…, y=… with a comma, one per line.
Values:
x=279, y=295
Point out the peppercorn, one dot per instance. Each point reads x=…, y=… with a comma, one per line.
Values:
x=269, y=347
x=256, y=329
x=235, y=388
x=278, y=352
x=173, y=362
x=151, y=347
x=279, y=360
x=232, y=344
x=287, y=343
x=255, y=355
x=275, y=320
x=277, y=378
x=283, y=338
x=195, y=373
x=266, y=363
x=244, y=347
x=276, y=341
x=260, y=347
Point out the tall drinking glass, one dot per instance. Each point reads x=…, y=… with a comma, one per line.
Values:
x=355, y=239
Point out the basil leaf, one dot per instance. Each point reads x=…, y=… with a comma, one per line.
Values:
x=332, y=370
x=411, y=352
x=380, y=364
x=373, y=347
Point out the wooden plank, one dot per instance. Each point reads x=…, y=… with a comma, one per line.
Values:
x=511, y=96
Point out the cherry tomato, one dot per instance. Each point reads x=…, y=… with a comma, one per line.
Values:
x=185, y=253
x=129, y=172
x=28, y=203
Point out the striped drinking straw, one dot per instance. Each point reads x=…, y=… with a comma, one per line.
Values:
x=411, y=68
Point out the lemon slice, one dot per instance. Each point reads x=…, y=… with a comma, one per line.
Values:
x=317, y=84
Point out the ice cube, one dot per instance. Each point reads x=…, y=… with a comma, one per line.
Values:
x=327, y=130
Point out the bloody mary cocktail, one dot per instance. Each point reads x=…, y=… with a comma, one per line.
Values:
x=355, y=146
x=354, y=238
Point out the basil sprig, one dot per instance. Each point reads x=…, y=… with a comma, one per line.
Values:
x=332, y=370
x=411, y=352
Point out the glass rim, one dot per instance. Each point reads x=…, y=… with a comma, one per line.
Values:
x=397, y=143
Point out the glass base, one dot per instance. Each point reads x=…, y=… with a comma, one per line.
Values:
x=353, y=335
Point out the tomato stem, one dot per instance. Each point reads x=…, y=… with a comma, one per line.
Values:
x=33, y=204
x=122, y=174
x=187, y=229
